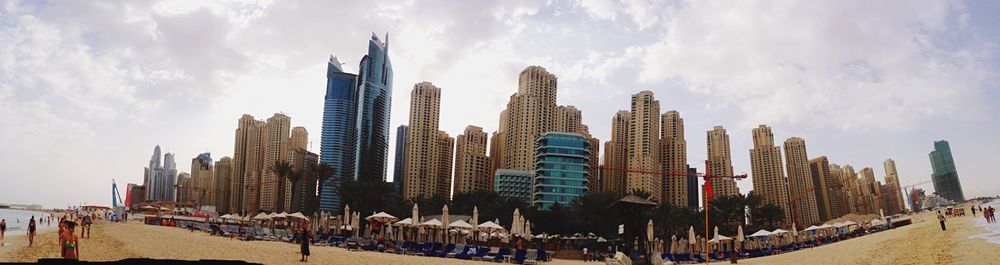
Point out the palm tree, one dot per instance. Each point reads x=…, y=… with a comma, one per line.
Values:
x=281, y=169
x=323, y=173
x=771, y=215
x=294, y=176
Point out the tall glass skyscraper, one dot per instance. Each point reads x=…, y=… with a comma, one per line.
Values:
x=337, y=146
x=945, y=175
x=373, y=107
x=562, y=168
x=397, y=169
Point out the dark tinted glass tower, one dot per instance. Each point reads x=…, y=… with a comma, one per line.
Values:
x=374, y=100
x=397, y=169
x=337, y=146
x=945, y=175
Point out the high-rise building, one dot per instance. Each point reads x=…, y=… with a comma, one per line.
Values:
x=720, y=163
x=853, y=190
x=569, y=119
x=768, y=172
x=894, y=199
x=221, y=184
x=273, y=187
x=514, y=184
x=819, y=171
x=530, y=112
x=397, y=168
x=423, y=144
x=616, y=154
x=498, y=148
x=945, y=175
x=248, y=157
x=152, y=177
x=337, y=141
x=170, y=183
x=299, y=138
x=472, y=166
x=374, y=94
x=674, y=154
x=445, y=157
x=562, y=169
x=644, y=146
x=839, y=191
x=872, y=191
x=184, y=188
x=203, y=176
x=303, y=191
x=801, y=192
x=692, y=187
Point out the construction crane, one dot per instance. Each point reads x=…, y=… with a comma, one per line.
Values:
x=116, y=196
x=705, y=176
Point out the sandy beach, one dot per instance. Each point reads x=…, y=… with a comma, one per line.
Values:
x=920, y=243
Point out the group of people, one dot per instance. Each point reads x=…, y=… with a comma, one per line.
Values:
x=988, y=213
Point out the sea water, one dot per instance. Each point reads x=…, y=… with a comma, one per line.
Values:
x=17, y=220
x=994, y=229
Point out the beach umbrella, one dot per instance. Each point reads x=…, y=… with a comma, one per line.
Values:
x=357, y=223
x=673, y=244
x=527, y=229
x=475, y=223
x=261, y=217
x=460, y=224
x=881, y=214
x=739, y=234
x=297, y=215
x=795, y=233
x=649, y=230
x=444, y=221
x=716, y=234
x=691, y=238
x=405, y=222
x=779, y=231
x=761, y=233
x=415, y=217
x=514, y=222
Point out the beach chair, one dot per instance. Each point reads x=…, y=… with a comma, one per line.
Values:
x=531, y=257
x=467, y=253
x=504, y=251
x=490, y=252
x=451, y=250
x=543, y=255
x=463, y=251
x=520, y=255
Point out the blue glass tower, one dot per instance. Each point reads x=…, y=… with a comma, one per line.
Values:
x=337, y=146
x=373, y=106
x=562, y=168
x=945, y=177
x=397, y=171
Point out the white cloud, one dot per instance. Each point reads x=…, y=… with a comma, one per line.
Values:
x=834, y=64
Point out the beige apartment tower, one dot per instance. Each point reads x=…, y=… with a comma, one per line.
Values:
x=299, y=138
x=223, y=178
x=674, y=154
x=644, y=147
x=853, y=190
x=768, y=172
x=272, y=186
x=839, y=192
x=801, y=194
x=616, y=154
x=720, y=163
x=530, y=112
x=819, y=171
x=472, y=166
x=202, y=176
x=247, y=165
x=424, y=148
x=895, y=198
x=446, y=153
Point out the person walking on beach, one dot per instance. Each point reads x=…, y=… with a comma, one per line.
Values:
x=31, y=232
x=973, y=211
x=87, y=222
x=304, y=239
x=71, y=244
x=941, y=220
x=993, y=218
x=3, y=228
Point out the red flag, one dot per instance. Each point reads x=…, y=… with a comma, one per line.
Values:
x=708, y=188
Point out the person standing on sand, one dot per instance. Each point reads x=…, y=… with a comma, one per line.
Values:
x=941, y=219
x=304, y=239
x=71, y=244
x=973, y=211
x=31, y=231
x=3, y=228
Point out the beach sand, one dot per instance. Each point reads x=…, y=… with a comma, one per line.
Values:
x=920, y=243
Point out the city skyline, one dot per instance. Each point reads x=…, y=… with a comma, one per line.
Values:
x=476, y=85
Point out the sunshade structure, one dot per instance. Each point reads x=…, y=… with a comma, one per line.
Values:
x=444, y=223
x=261, y=217
x=433, y=224
x=475, y=223
x=460, y=224
x=761, y=233
x=631, y=208
x=298, y=215
x=811, y=228
x=490, y=228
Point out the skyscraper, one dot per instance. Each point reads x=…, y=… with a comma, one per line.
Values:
x=768, y=172
x=303, y=191
x=397, y=168
x=562, y=169
x=895, y=198
x=299, y=138
x=170, y=181
x=423, y=144
x=222, y=185
x=674, y=155
x=374, y=94
x=202, y=176
x=153, y=176
x=248, y=157
x=272, y=187
x=869, y=191
x=819, y=171
x=802, y=196
x=852, y=190
x=644, y=146
x=337, y=141
x=445, y=157
x=839, y=191
x=692, y=187
x=945, y=176
x=472, y=166
x=530, y=112
x=616, y=154
x=720, y=163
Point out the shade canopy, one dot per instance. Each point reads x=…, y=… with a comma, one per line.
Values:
x=226, y=216
x=779, y=231
x=432, y=222
x=631, y=199
x=262, y=216
x=490, y=226
x=812, y=227
x=298, y=215
x=405, y=222
x=761, y=233
x=460, y=224
x=381, y=217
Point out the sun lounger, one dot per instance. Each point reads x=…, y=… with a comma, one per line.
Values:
x=451, y=250
x=543, y=255
x=531, y=257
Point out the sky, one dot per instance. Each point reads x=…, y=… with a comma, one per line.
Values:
x=88, y=88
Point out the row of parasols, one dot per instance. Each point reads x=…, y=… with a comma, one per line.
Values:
x=760, y=239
